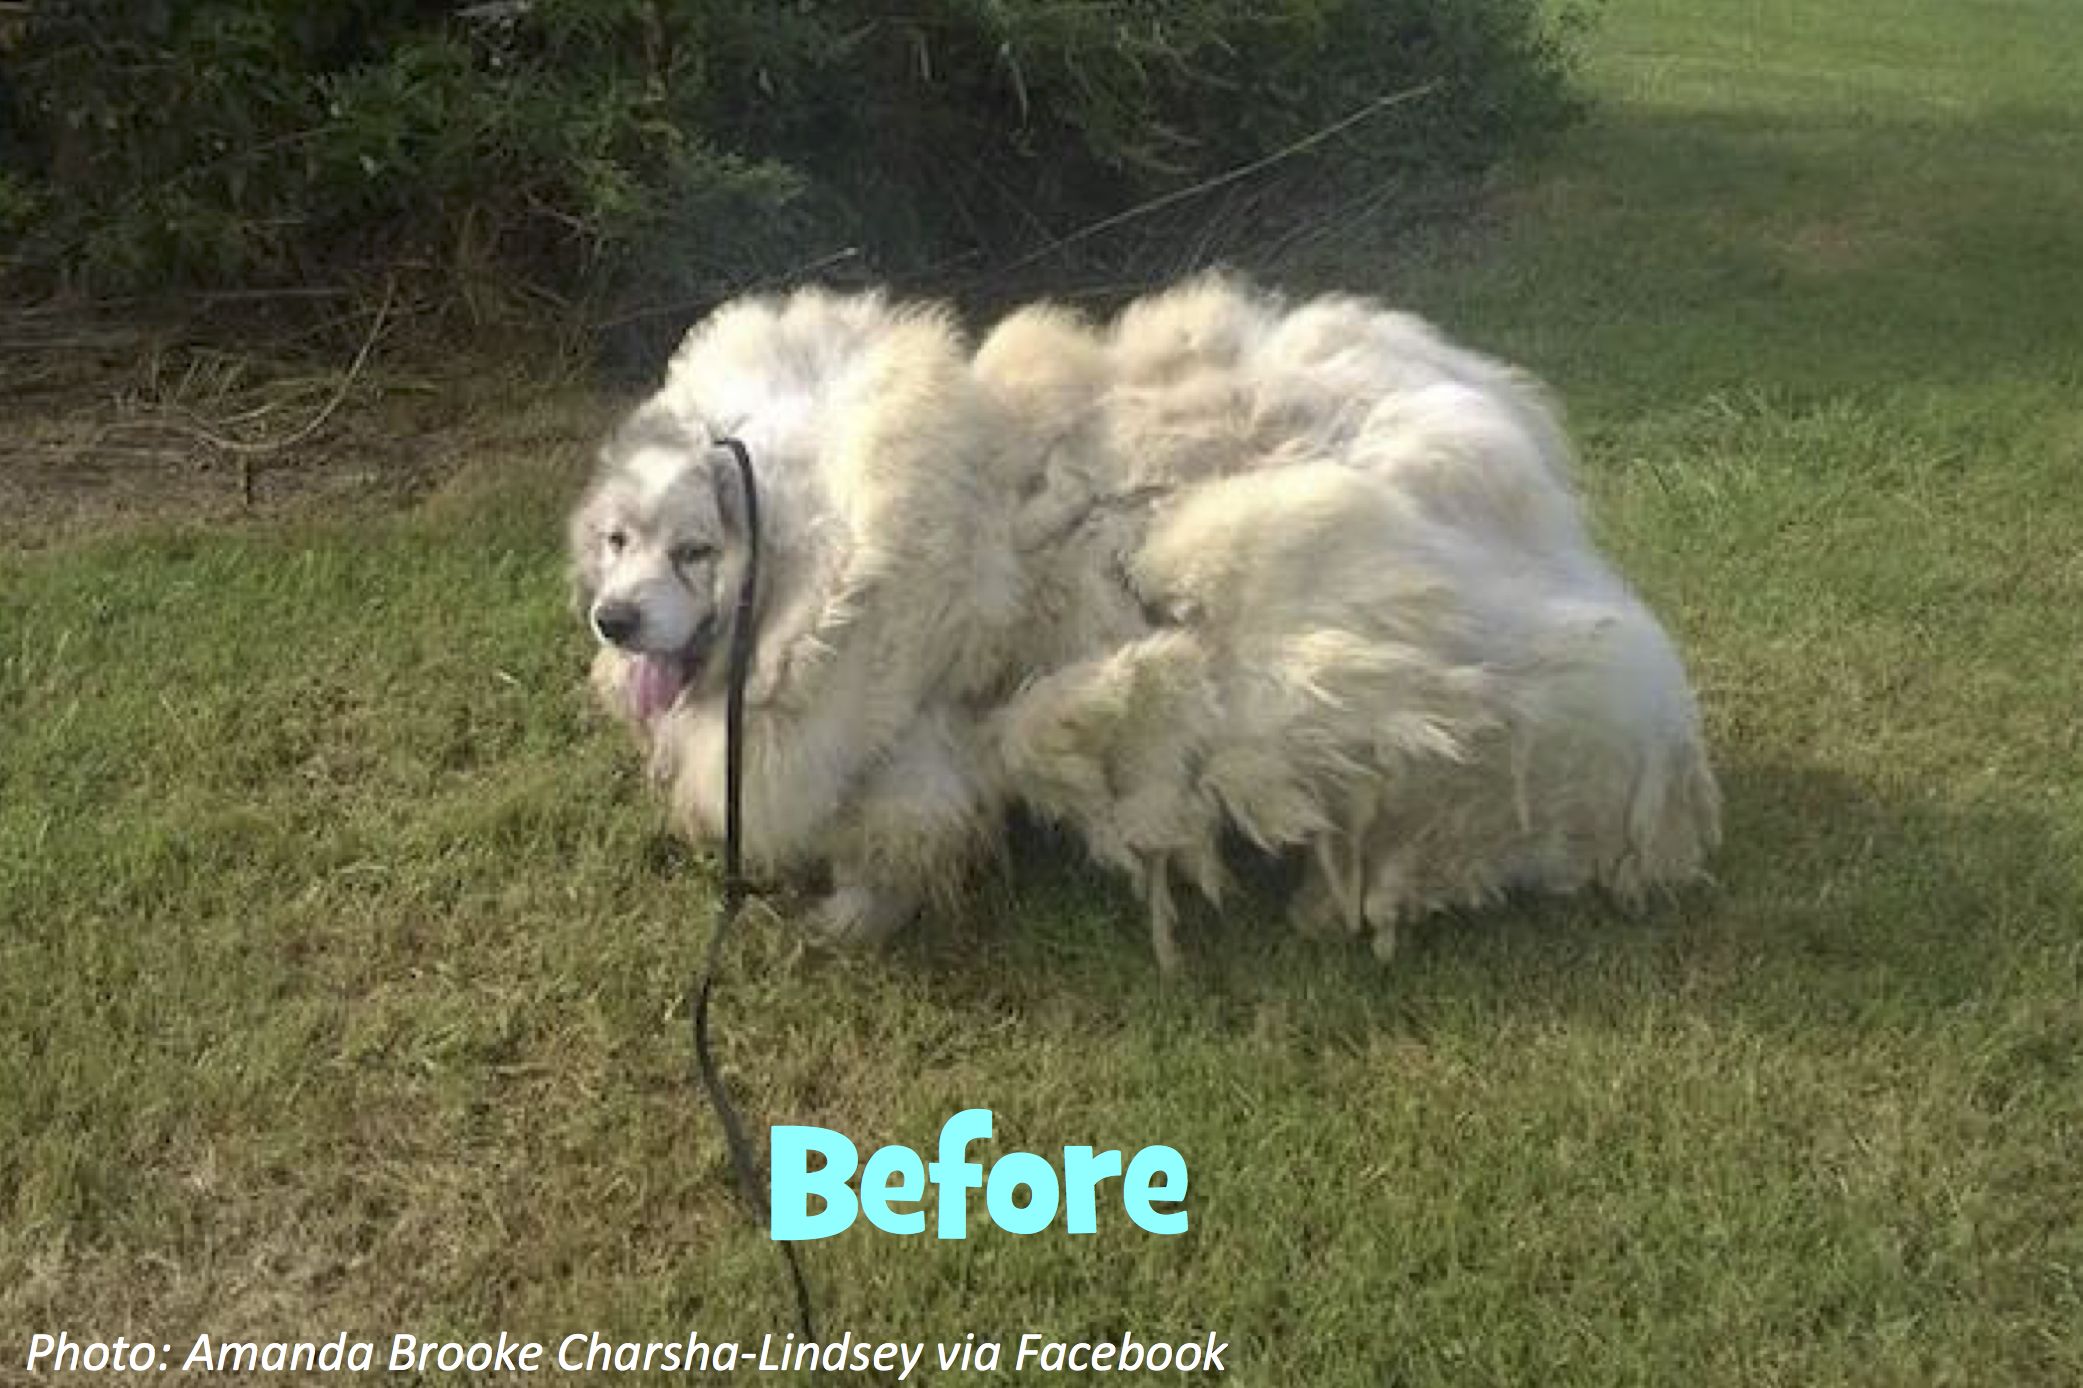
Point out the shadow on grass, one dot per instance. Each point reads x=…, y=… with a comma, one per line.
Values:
x=1836, y=905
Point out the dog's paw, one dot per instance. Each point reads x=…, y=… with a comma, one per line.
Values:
x=853, y=917
x=1384, y=942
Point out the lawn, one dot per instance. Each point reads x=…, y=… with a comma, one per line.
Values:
x=341, y=953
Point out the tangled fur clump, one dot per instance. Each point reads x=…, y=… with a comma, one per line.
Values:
x=1314, y=574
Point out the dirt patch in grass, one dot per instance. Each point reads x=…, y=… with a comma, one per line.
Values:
x=113, y=425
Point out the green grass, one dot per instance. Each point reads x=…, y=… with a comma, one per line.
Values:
x=339, y=948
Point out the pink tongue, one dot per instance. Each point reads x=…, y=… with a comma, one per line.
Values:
x=654, y=682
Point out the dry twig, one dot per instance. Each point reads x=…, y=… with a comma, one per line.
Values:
x=1228, y=176
x=257, y=448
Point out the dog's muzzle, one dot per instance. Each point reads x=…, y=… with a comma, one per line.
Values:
x=656, y=679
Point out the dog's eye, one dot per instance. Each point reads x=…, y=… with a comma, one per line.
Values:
x=687, y=556
x=616, y=540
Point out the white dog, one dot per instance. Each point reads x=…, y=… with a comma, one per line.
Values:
x=888, y=597
x=1314, y=574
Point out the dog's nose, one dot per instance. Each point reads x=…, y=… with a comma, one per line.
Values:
x=617, y=621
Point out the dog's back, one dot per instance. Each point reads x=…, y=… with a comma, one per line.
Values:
x=1373, y=623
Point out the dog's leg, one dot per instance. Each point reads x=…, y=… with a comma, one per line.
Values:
x=1361, y=827
x=1164, y=918
x=1313, y=910
x=1388, y=897
x=908, y=834
x=1319, y=909
x=1333, y=895
x=1385, y=937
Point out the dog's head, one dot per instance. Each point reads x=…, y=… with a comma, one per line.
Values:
x=658, y=548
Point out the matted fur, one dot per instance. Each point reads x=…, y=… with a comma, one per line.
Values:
x=1379, y=629
x=1312, y=574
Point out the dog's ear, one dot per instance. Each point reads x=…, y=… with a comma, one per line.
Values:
x=583, y=543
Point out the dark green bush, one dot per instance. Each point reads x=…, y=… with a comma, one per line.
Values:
x=611, y=151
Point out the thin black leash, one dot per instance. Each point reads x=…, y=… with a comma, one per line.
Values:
x=734, y=890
